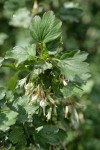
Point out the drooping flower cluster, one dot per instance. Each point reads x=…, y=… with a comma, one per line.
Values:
x=38, y=96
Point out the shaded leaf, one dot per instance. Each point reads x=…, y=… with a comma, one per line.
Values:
x=17, y=136
x=70, y=12
x=53, y=47
x=40, y=68
x=49, y=134
x=12, y=82
x=3, y=37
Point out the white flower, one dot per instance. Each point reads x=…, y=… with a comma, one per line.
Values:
x=29, y=86
x=22, y=82
x=64, y=82
x=34, y=98
x=75, y=118
x=43, y=104
x=76, y=115
x=48, y=116
x=35, y=5
x=51, y=100
x=66, y=111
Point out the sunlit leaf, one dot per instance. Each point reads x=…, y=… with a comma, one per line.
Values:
x=2, y=92
x=1, y=60
x=21, y=18
x=12, y=82
x=7, y=118
x=21, y=54
x=45, y=29
x=73, y=66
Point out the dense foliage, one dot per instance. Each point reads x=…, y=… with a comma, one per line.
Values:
x=43, y=75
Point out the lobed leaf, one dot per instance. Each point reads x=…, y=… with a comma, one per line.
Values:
x=50, y=134
x=17, y=136
x=7, y=118
x=73, y=66
x=21, y=18
x=21, y=54
x=45, y=29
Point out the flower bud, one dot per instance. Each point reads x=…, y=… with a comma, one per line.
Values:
x=66, y=111
x=34, y=98
x=43, y=103
x=48, y=116
x=35, y=5
x=51, y=100
x=64, y=82
x=29, y=86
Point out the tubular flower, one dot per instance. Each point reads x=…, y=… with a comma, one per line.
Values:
x=43, y=104
x=66, y=111
x=33, y=99
x=51, y=100
x=35, y=7
x=48, y=116
x=64, y=82
x=28, y=88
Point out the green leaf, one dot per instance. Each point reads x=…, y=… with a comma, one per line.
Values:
x=1, y=60
x=12, y=82
x=9, y=96
x=7, y=118
x=3, y=37
x=24, y=109
x=53, y=47
x=71, y=90
x=45, y=29
x=50, y=134
x=21, y=54
x=40, y=68
x=17, y=136
x=31, y=50
x=21, y=18
x=2, y=93
x=71, y=12
x=21, y=101
x=73, y=66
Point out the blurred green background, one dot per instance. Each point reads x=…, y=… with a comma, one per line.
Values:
x=80, y=30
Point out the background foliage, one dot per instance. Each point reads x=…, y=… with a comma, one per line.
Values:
x=81, y=30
